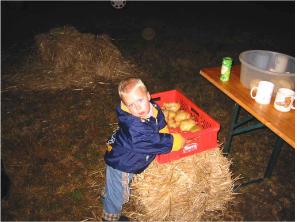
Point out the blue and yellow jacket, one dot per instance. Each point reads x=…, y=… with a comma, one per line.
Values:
x=137, y=141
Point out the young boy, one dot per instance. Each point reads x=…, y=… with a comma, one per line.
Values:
x=142, y=134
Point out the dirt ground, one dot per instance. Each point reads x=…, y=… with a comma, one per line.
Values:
x=52, y=140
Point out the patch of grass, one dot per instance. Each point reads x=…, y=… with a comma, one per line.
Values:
x=54, y=206
x=76, y=195
x=80, y=156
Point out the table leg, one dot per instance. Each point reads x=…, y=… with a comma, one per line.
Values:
x=236, y=129
x=274, y=156
x=272, y=162
x=234, y=118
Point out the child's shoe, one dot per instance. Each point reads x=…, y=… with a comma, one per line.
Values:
x=122, y=218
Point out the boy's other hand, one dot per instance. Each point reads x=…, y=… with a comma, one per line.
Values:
x=183, y=142
x=178, y=142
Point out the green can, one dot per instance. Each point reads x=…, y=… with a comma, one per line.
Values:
x=226, y=69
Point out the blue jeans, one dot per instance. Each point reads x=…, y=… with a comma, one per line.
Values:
x=117, y=192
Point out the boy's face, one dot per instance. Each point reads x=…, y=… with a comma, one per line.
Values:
x=138, y=102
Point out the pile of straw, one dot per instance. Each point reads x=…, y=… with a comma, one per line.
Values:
x=64, y=58
x=183, y=190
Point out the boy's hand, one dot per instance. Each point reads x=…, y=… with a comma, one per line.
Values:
x=183, y=142
x=178, y=142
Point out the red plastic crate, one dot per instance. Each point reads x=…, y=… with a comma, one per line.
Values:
x=200, y=141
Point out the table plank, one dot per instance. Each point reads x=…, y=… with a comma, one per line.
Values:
x=282, y=124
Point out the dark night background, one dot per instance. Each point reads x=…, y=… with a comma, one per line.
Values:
x=190, y=35
x=22, y=20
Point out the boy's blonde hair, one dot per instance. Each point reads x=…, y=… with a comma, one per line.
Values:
x=130, y=84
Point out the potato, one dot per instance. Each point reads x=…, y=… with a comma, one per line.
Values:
x=182, y=115
x=196, y=128
x=171, y=114
x=172, y=123
x=187, y=125
x=171, y=106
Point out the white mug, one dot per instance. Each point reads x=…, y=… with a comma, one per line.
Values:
x=264, y=92
x=284, y=100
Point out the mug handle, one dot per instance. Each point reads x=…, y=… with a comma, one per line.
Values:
x=293, y=106
x=252, y=90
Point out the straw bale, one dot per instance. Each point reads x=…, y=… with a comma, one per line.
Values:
x=184, y=189
x=64, y=58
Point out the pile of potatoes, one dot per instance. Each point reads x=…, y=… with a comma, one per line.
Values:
x=178, y=118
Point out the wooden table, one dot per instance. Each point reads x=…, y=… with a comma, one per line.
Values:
x=282, y=124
